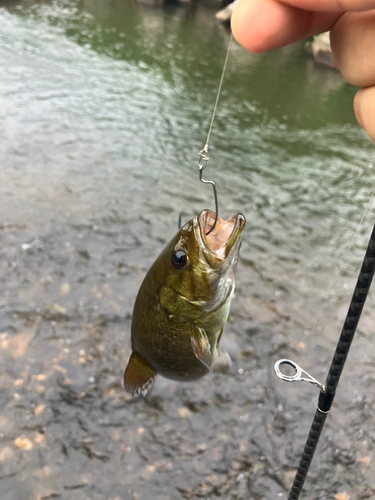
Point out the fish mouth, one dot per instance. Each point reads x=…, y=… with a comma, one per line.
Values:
x=225, y=238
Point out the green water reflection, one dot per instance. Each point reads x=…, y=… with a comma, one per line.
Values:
x=139, y=83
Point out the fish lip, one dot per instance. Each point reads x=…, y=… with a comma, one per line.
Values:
x=233, y=241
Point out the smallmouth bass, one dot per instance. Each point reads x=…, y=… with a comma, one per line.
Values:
x=183, y=303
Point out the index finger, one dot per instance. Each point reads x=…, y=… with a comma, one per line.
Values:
x=331, y=5
x=260, y=25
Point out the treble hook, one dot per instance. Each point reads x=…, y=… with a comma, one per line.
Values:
x=204, y=158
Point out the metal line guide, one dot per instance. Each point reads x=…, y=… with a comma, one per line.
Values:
x=298, y=374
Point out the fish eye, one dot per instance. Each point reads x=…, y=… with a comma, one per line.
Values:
x=180, y=260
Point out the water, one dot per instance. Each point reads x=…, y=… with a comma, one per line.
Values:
x=104, y=107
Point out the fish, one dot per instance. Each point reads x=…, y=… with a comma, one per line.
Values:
x=183, y=303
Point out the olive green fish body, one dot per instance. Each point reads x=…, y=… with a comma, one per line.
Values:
x=165, y=343
x=183, y=303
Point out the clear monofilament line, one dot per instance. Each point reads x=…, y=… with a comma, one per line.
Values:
x=328, y=392
x=203, y=155
x=218, y=91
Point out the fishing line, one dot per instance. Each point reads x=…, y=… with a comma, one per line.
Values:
x=219, y=89
x=358, y=228
x=343, y=259
x=328, y=390
x=203, y=154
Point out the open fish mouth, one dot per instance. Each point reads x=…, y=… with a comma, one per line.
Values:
x=225, y=236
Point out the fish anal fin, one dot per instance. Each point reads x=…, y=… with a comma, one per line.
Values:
x=138, y=376
x=201, y=346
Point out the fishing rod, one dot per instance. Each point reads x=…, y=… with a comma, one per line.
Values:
x=328, y=390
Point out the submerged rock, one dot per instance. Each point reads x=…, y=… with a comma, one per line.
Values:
x=151, y=2
x=55, y=312
x=224, y=15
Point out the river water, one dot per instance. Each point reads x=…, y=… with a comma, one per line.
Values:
x=104, y=106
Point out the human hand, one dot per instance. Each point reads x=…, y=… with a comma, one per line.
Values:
x=261, y=25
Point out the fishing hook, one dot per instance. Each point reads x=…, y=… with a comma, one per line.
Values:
x=202, y=164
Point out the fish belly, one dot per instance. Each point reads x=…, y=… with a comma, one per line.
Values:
x=168, y=348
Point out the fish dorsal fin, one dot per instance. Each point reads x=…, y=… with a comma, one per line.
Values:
x=138, y=376
x=201, y=346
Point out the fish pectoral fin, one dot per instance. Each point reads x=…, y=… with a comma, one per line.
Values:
x=201, y=346
x=138, y=376
x=222, y=362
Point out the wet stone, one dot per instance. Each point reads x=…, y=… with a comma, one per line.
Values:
x=55, y=312
x=23, y=443
x=6, y=454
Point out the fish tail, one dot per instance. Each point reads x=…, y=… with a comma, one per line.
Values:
x=138, y=376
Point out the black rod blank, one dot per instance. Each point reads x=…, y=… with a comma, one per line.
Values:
x=327, y=394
